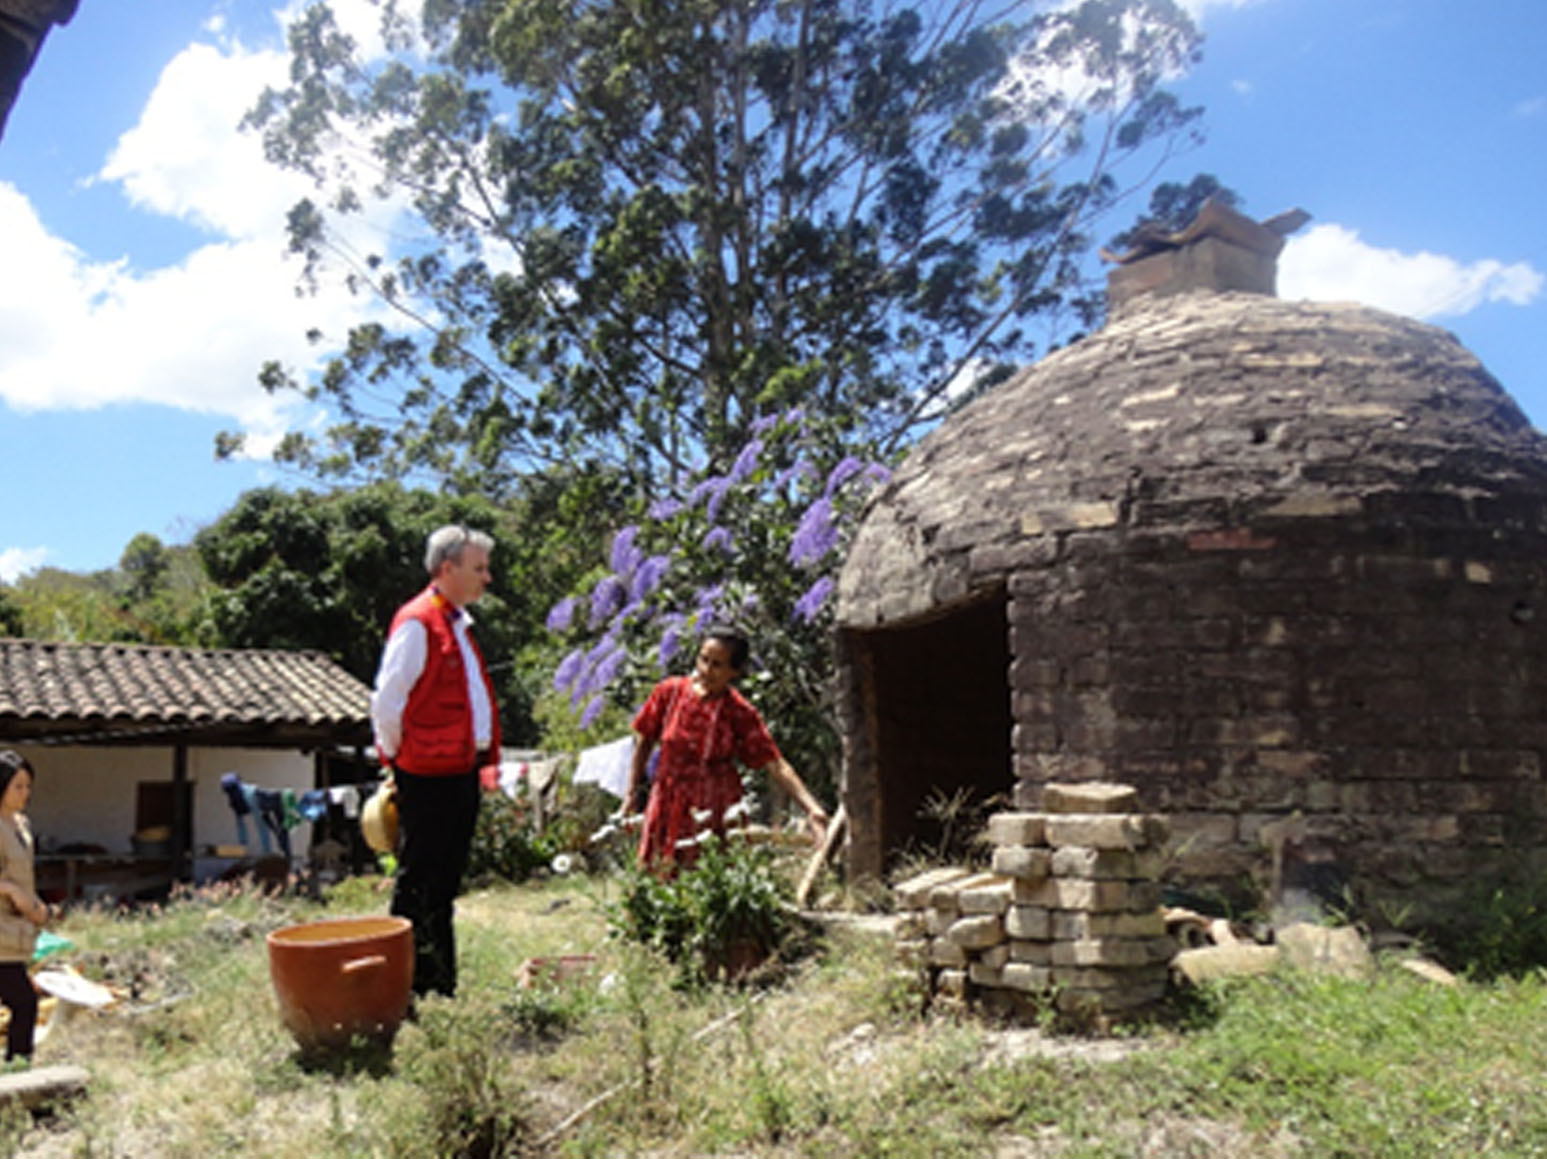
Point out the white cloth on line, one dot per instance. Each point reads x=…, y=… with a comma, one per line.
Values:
x=607, y=766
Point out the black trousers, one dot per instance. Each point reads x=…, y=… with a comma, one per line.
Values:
x=17, y=993
x=436, y=817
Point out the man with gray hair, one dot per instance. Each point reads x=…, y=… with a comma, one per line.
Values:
x=436, y=726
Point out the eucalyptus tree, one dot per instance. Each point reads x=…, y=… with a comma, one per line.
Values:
x=640, y=226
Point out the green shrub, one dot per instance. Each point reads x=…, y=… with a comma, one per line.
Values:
x=1500, y=931
x=506, y=845
x=730, y=901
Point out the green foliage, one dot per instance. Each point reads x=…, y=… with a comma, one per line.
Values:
x=652, y=226
x=757, y=547
x=506, y=845
x=1499, y=928
x=730, y=901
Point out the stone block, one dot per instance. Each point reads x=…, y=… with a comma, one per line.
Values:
x=1090, y=797
x=915, y=892
x=951, y=983
x=1339, y=950
x=1106, y=864
x=1070, y=925
x=1036, y=953
x=995, y=956
x=1113, y=951
x=938, y=921
x=1025, y=977
x=1030, y=922
x=944, y=952
x=991, y=897
x=1206, y=963
x=1110, y=1001
x=913, y=952
x=1016, y=829
x=945, y=896
x=977, y=932
x=1106, y=830
x=1108, y=977
x=1027, y=862
x=982, y=974
x=1073, y=893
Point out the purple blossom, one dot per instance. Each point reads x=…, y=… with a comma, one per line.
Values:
x=746, y=461
x=708, y=599
x=648, y=577
x=876, y=473
x=665, y=508
x=809, y=606
x=815, y=536
x=593, y=709
x=625, y=556
x=846, y=469
x=717, y=500
x=606, y=598
x=707, y=487
x=765, y=424
x=608, y=668
x=671, y=641
x=799, y=469
x=719, y=539
x=562, y=614
x=569, y=668
x=794, y=415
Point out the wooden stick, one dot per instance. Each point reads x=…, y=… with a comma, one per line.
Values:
x=818, y=859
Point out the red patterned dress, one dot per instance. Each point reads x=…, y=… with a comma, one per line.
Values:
x=701, y=739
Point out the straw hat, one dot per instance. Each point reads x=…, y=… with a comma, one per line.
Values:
x=378, y=820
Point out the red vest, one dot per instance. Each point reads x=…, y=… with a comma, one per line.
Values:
x=437, y=735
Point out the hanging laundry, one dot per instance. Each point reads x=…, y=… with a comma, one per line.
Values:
x=607, y=766
x=231, y=786
x=271, y=811
x=347, y=798
x=313, y=804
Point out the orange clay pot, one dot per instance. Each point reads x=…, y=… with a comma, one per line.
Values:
x=343, y=979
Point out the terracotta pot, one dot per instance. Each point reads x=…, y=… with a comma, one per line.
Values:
x=341, y=979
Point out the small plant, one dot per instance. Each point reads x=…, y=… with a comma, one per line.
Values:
x=506, y=845
x=714, y=920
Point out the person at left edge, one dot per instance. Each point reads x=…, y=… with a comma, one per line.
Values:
x=436, y=726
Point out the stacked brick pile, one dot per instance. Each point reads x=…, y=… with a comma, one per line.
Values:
x=1070, y=913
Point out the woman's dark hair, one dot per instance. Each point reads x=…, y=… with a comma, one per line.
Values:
x=740, y=647
x=11, y=763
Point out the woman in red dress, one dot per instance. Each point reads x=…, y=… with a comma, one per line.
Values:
x=704, y=726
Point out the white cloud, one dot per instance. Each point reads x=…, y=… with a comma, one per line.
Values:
x=1331, y=263
x=1242, y=88
x=83, y=332
x=1197, y=8
x=18, y=561
x=1534, y=107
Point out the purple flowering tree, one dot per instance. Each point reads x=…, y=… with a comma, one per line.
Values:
x=757, y=546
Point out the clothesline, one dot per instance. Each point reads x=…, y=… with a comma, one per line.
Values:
x=277, y=811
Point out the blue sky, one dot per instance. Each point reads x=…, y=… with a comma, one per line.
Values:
x=145, y=280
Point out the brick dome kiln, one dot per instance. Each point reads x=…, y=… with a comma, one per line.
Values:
x=1251, y=556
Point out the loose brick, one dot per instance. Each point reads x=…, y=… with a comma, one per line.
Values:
x=944, y=952
x=995, y=956
x=982, y=974
x=1025, y=977
x=1016, y=829
x=951, y=983
x=1106, y=830
x=1108, y=977
x=1027, y=862
x=976, y=932
x=915, y=892
x=1073, y=893
x=1112, y=952
x=1090, y=797
x=947, y=894
x=1029, y=922
x=1106, y=864
x=990, y=898
x=1036, y=953
x=1072, y=924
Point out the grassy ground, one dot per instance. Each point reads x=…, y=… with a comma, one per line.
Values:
x=830, y=1057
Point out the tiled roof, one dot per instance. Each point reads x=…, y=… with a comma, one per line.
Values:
x=120, y=689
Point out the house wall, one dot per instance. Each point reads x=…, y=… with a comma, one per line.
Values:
x=87, y=794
